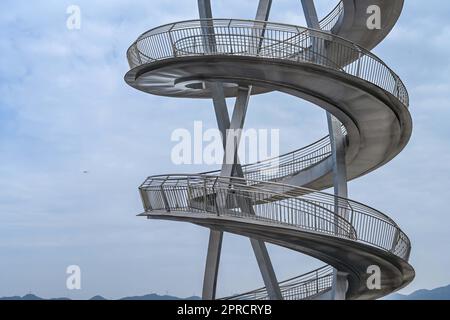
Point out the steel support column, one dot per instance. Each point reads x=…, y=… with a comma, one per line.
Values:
x=309, y=8
x=215, y=237
x=204, y=9
x=212, y=265
x=234, y=168
x=205, y=12
x=262, y=14
x=340, y=283
x=232, y=135
x=263, y=11
x=338, y=153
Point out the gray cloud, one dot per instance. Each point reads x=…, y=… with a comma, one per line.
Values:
x=65, y=109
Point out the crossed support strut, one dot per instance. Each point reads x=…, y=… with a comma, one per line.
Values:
x=232, y=168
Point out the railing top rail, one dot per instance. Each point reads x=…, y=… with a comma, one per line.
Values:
x=399, y=91
x=248, y=23
x=291, y=284
x=327, y=22
x=307, y=150
x=269, y=188
x=283, y=192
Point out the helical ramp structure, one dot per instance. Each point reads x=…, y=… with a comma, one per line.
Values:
x=281, y=202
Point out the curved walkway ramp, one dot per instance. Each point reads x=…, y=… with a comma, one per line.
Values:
x=278, y=200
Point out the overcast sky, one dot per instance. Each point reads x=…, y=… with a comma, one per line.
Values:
x=76, y=142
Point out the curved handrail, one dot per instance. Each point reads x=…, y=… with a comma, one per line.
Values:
x=273, y=40
x=287, y=164
x=205, y=194
x=301, y=207
x=332, y=18
x=308, y=285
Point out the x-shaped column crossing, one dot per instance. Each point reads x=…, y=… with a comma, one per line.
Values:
x=233, y=168
x=231, y=142
x=230, y=131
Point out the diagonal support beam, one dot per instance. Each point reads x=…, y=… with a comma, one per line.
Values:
x=229, y=169
x=233, y=134
x=317, y=45
x=263, y=11
x=216, y=89
x=204, y=9
x=233, y=167
x=311, y=17
x=212, y=265
x=207, y=26
x=266, y=269
x=259, y=28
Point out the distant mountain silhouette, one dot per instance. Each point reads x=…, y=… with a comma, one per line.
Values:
x=442, y=293
x=32, y=297
x=98, y=298
x=26, y=297
x=158, y=297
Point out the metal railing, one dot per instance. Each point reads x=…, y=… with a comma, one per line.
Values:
x=287, y=164
x=333, y=17
x=274, y=203
x=306, y=286
x=264, y=40
x=214, y=195
x=257, y=198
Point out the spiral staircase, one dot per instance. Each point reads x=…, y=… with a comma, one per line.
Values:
x=279, y=201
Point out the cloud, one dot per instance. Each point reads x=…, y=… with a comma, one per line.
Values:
x=65, y=109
